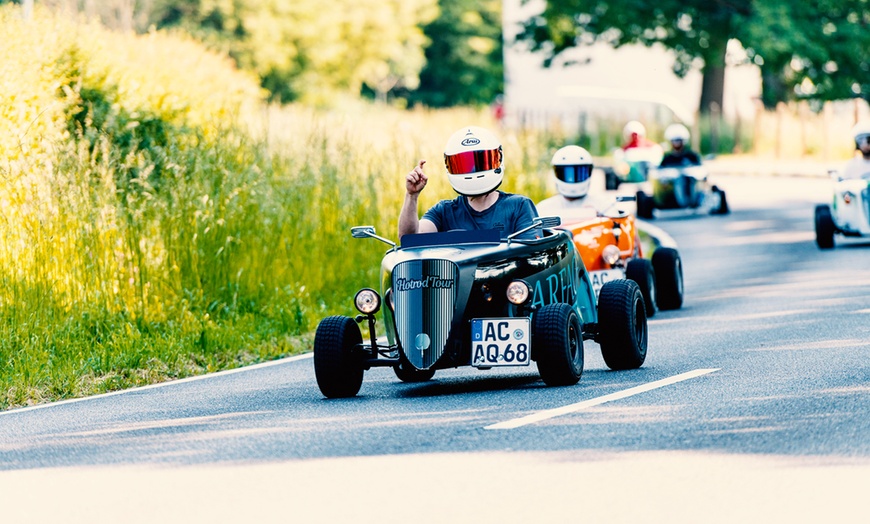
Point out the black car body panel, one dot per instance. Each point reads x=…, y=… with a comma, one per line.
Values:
x=437, y=286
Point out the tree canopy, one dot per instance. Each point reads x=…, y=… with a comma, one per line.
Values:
x=312, y=50
x=806, y=49
x=464, y=60
x=816, y=50
x=434, y=52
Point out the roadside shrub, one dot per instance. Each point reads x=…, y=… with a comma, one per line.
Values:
x=159, y=220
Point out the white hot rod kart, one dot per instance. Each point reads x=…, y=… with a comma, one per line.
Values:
x=849, y=212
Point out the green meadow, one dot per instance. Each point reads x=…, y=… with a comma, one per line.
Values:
x=158, y=219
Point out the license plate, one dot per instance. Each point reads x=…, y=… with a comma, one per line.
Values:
x=603, y=276
x=500, y=342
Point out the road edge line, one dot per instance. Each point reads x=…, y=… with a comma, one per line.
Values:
x=162, y=384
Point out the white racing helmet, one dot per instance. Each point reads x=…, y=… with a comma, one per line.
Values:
x=572, y=166
x=677, y=132
x=633, y=128
x=861, y=132
x=473, y=157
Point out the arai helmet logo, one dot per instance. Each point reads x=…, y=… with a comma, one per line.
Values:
x=471, y=141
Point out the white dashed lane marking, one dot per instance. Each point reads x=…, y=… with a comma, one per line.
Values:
x=579, y=406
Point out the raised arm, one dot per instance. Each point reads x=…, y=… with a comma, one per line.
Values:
x=415, y=181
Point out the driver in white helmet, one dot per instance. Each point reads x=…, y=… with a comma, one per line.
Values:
x=474, y=160
x=572, y=169
x=859, y=166
x=680, y=154
x=634, y=134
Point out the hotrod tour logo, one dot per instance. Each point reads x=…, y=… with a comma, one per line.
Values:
x=429, y=282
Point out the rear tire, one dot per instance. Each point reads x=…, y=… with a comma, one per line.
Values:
x=645, y=205
x=642, y=271
x=622, y=327
x=558, y=344
x=337, y=364
x=825, y=227
x=408, y=373
x=668, y=269
x=722, y=208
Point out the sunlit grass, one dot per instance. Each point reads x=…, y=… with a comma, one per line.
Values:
x=158, y=220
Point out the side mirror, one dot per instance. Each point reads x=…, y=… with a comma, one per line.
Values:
x=362, y=231
x=369, y=232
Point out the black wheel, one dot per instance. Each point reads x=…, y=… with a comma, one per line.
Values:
x=668, y=269
x=723, y=204
x=337, y=364
x=611, y=181
x=408, y=373
x=825, y=227
x=557, y=339
x=641, y=271
x=722, y=207
x=622, y=329
x=645, y=205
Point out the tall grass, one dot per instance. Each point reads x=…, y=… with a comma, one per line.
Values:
x=157, y=220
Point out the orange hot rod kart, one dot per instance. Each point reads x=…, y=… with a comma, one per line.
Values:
x=609, y=244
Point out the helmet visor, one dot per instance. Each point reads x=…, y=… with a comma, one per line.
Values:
x=573, y=174
x=473, y=161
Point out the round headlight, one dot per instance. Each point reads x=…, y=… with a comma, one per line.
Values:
x=610, y=254
x=517, y=292
x=367, y=301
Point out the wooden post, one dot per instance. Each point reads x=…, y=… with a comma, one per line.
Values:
x=826, y=132
x=777, y=147
x=715, y=120
x=757, y=127
x=738, y=134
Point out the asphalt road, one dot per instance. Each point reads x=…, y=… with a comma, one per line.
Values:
x=753, y=406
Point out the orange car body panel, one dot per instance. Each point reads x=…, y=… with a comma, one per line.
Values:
x=592, y=235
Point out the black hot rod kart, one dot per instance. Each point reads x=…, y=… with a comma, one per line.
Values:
x=471, y=298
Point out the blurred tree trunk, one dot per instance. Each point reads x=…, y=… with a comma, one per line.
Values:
x=713, y=84
x=125, y=15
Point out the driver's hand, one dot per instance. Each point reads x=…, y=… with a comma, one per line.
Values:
x=416, y=179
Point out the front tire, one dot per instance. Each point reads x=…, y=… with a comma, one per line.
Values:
x=645, y=204
x=825, y=227
x=641, y=271
x=337, y=364
x=558, y=344
x=622, y=327
x=668, y=269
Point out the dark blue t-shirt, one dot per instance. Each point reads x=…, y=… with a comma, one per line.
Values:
x=509, y=214
x=683, y=158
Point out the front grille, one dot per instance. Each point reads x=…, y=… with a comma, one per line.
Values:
x=425, y=297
